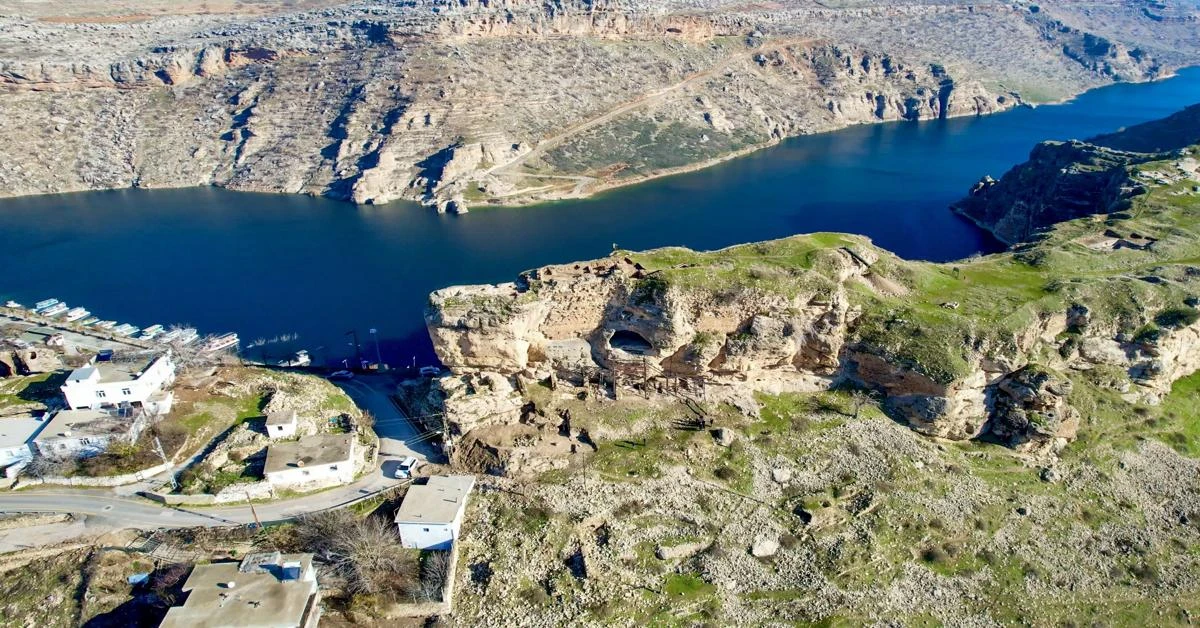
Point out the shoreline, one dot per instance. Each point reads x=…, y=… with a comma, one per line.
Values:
x=599, y=186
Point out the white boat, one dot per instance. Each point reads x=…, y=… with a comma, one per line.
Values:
x=54, y=310
x=169, y=336
x=14, y=305
x=125, y=330
x=75, y=314
x=89, y=321
x=301, y=359
x=150, y=332
x=105, y=324
x=219, y=343
x=41, y=305
x=187, y=337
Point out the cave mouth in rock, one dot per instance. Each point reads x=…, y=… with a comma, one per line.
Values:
x=630, y=342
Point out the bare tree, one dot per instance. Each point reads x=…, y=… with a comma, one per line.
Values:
x=365, y=553
x=434, y=571
x=860, y=399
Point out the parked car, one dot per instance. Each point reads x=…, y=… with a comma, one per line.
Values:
x=407, y=468
x=430, y=371
x=341, y=375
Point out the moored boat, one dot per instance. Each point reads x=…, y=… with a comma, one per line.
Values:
x=219, y=343
x=150, y=332
x=167, y=337
x=106, y=324
x=54, y=310
x=125, y=329
x=41, y=305
x=75, y=314
x=187, y=337
x=89, y=321
x=14, y=305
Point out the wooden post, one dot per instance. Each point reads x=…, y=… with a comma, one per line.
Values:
x=645, y=378
x=257, y=523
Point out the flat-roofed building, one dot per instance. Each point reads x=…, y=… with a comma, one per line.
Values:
x=431, y=515
x=78, y=433
x=17, y=434
x=139, y=381
x=312, y=461
x=268, y=590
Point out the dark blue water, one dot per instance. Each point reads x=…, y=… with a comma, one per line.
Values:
x=265, y=265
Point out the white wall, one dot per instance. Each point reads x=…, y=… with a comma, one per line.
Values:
x=286, y=430
x=87, y=394
x=340, y=472
x=427, y=535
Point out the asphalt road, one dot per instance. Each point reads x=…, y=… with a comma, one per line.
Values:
x=121, y=508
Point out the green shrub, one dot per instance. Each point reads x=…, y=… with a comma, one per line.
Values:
x=1177, y=317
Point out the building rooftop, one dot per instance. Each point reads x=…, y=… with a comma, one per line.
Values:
x=126, y=368
x=269, y=589
x=84, y=423
x=285, y=417
x=21, y=428
x=308, y=451
x=439, y=501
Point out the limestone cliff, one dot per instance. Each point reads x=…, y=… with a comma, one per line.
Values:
x=453, y=104
x=995, y=347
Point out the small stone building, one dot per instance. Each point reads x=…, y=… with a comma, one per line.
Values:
x=282, y=424
x=311, y=462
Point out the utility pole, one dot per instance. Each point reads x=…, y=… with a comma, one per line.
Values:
x=645, y=378
x=257, y=523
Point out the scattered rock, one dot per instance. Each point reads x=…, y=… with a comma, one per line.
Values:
x=724, y=436
x=781, y=475
x=764, y=548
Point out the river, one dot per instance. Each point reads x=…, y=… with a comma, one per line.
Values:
x=267, y=265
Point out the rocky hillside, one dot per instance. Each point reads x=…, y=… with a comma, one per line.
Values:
x=742, y=437
x=1065, y=180
x=453, y=104
x=986, y=347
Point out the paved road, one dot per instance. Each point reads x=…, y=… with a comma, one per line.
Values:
x=121, y=508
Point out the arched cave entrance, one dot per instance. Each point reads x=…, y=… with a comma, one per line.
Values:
x=630, y=342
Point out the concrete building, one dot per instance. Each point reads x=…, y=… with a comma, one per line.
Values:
x=17, y=434
x=139, y=381
x=431, y=515
x=282, y=424
x=268, y=590
x=311, y=462
x=79, y=433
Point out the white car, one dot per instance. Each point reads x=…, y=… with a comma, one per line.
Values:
x=341, y=375
x=407, y=468
x=430, y=371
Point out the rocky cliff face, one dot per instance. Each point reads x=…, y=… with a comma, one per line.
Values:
x=987, y=348
x=453, y=104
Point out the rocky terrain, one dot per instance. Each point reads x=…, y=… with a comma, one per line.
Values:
x=814, y=430
x=454, y=104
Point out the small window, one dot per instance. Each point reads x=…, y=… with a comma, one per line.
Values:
x=425, y=529
x=333, y=468
x=126, y=392
x=100, y=394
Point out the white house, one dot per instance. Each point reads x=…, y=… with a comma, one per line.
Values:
x=77, y=433
x=431, y=514
x=281, y=424
x=267, y=590
x=17, y=434
x=142, y=382
x=311, y=462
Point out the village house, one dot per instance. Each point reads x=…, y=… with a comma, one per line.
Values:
x=267, y=590
x=282, y=424
x=311, y=462
x=137, y=381
x=16, y=437
x=80, y=433
x=431, y=514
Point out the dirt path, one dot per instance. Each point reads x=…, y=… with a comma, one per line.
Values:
x=623, y=108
